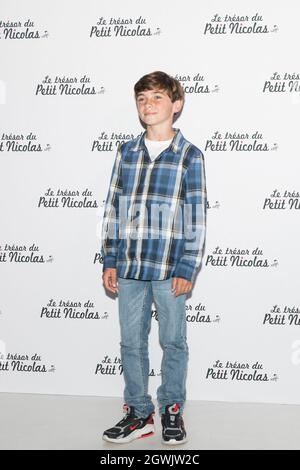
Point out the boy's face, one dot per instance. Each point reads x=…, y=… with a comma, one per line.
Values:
x=155, y=107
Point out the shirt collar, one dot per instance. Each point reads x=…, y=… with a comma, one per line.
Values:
x=175, y=145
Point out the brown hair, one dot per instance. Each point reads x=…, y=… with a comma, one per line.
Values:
x=161, y=81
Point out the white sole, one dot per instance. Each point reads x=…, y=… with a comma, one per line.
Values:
x=173, y=442
x=137, y=434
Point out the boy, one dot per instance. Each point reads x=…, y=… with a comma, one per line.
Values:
x=151, y=254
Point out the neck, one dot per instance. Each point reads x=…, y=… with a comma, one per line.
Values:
x=155, y=134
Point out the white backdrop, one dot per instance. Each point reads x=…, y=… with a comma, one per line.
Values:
x=66, y=101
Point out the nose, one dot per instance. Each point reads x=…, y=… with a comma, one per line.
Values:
x=149, y=102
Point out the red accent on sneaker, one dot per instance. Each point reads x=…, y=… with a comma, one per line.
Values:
x=132, y=428
x=150, y=419
x=146, y=435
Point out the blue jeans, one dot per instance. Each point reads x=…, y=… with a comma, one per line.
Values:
x=135, y=302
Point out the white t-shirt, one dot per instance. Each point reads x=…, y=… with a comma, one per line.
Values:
x=155, y=147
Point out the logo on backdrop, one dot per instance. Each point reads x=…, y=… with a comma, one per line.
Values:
x=98, y=258
x=284, y=200
x=65, y=198
x=22, y=143
x=23, y=254
x=240, y=371
x=68, y=86
x=239, y=142
x=21, y=30
x=285, y=316
x=196, y=313
x=113, y=366
x=109, y=142
x=238, y=257
x=16, y=362
x=213, y=205
x=282, y=83
x=196, y=84
x=123, y=27
x=238, y=24
x=72, y=310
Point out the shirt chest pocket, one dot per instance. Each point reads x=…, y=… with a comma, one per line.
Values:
x=166, y=181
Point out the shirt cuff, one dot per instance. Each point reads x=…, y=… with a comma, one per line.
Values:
x=186, y=271
x=109, y=261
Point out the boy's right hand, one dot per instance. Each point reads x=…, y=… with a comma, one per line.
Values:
x=110, y=280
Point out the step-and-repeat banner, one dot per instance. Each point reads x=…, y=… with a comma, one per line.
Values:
x=67, y=72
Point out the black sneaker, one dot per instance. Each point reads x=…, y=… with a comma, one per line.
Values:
x=130, y=427
x=173, y=431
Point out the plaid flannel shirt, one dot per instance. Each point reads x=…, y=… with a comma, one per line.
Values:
x=154, y=221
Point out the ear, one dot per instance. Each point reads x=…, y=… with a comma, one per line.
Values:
x=178, y=105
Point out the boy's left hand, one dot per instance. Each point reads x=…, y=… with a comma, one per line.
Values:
x=181, y=286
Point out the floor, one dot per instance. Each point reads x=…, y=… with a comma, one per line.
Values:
x=32, y=421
